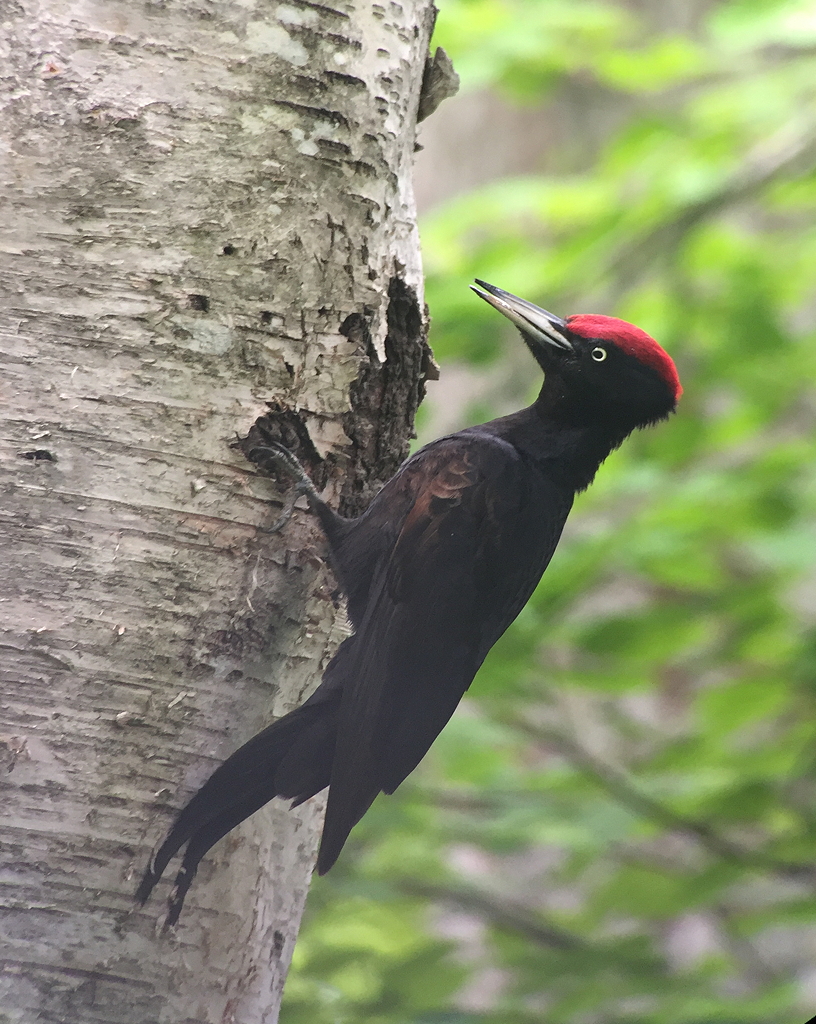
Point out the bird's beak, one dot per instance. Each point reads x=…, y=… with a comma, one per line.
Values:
x=535, y=323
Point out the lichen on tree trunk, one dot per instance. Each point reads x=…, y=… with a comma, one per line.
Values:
x=207, y=218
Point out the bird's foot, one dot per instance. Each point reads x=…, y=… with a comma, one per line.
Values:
x=283, y=459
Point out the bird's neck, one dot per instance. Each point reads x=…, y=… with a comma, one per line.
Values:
x=567, y=452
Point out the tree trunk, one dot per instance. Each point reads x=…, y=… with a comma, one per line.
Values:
x=206, y=208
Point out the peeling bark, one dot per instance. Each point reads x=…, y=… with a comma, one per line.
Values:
x=208, y=219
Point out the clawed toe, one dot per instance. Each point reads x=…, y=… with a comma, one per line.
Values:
x=282, y=458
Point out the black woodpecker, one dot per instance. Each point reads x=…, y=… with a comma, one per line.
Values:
x=434, y=572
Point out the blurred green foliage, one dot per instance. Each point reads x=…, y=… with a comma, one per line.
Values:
x=619, y=825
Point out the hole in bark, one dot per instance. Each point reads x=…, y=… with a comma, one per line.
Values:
x=285, y=426
x=228, y=250
x=266, y=316
x=199, y=302
x=355, y=328
x=38, y=455
x=289, y=369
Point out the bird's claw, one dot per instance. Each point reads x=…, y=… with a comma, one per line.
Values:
x=284, y=459
x=286, y=512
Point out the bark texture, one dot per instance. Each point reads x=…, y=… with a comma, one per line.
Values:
x=207, y=218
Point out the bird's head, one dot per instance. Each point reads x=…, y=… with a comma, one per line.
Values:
x=596, y=367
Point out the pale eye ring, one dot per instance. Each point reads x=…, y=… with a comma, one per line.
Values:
x=598, y=354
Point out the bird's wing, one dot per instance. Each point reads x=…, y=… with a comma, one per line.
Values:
x=463, y=563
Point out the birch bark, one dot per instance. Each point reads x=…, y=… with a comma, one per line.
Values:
x=207, y=207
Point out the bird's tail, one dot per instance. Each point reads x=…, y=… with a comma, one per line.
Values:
x=291, y=758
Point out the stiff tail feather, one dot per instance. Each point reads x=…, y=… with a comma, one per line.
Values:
x=291, y=758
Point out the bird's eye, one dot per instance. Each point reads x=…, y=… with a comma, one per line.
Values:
x=599, y=354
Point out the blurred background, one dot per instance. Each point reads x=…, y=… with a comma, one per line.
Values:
x=619, y=824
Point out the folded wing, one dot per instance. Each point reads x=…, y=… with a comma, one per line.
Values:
x=465, y=560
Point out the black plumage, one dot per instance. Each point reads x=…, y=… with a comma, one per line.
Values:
x=434, y=571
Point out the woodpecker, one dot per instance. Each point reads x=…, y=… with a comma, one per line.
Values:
x=434, y=571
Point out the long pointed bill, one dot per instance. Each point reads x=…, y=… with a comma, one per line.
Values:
x=537, y=323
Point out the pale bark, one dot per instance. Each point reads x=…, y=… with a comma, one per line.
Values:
x=205, y=207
